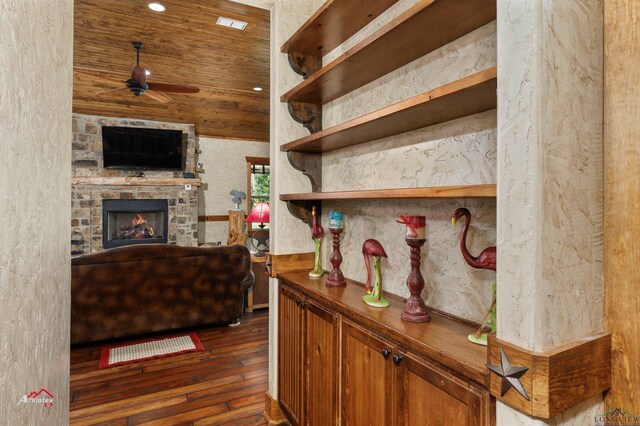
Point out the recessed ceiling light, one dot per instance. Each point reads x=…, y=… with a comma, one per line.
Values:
x=147, y=72
x=231, y=23
x=157, y=7
x=257, y=89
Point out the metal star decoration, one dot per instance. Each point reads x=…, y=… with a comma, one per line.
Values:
x=510, y=375
x=262, y=240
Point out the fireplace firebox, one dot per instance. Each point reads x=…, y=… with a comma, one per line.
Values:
x=126, y=222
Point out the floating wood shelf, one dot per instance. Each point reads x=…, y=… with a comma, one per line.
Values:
x=463, y=191
x=333, y=24
x=133, y=181
x=470, y=95
x=427, y=26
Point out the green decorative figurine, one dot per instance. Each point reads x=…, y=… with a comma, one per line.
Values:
x=317, y=232
x=373, y=248
x=479, y=337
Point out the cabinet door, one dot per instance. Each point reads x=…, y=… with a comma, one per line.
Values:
x=321, y=362
x=368, y=377
x=428, y=395
x=290, y=356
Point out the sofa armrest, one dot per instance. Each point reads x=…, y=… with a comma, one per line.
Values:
x=248, y=281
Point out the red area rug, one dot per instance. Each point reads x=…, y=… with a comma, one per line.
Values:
x=141, y=350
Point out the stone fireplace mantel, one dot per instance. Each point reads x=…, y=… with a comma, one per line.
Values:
x=133, y=181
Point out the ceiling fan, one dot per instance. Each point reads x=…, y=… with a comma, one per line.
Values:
x=138, y=83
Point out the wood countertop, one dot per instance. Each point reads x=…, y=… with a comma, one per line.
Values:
x=443, y=339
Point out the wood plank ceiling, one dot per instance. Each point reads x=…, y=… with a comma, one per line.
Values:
x=183, y=45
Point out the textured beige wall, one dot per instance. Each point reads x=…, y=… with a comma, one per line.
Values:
x=550, y=189
x=288, y=234
x=225, y=168
x=35, y=172
x=550, y=201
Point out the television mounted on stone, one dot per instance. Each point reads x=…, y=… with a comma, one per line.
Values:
x=134, y=148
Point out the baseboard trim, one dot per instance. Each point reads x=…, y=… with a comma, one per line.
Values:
x=272, y=412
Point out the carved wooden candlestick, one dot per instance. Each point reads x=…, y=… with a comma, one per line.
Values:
x=414, y=309
x=336, y=278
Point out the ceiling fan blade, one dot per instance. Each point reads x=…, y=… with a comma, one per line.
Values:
x=98, y=77
x=160, y=97
x=111, y=90
x=173, y=88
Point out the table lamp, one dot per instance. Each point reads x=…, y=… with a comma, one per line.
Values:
x=260, y=214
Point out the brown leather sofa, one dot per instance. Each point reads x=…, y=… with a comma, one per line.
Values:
x=149, y=288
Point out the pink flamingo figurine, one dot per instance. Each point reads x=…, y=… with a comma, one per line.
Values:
x=373, y=248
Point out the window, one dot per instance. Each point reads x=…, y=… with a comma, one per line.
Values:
x=258, y=177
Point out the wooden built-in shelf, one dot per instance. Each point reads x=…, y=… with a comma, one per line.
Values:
x=132, y=181
x=462, y=191
x=425, y=27
x=333, y=24
x=470, y=95
x=443, y=339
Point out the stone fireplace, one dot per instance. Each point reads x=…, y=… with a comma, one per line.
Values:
x=127, y=222
x=98, y=194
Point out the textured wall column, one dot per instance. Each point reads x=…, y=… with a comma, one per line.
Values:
x=35, y=197
x=550, y=179
x=287, y=234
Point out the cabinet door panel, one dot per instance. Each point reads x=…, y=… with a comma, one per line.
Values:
x=367, y=379
x=321, y=386
x=290, y=346
x=428, y=395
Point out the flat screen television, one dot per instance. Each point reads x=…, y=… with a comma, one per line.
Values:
x=135, y=148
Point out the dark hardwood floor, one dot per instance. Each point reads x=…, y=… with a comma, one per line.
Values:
x=224, y=385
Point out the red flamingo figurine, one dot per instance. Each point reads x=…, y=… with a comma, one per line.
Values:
x=486, y=259
x=371, y=248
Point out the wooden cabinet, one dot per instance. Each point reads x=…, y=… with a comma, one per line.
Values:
x=290, y=354
x=368, y=377
x=321, y=363
x=450, y=401
x=383, y=385
x=308, y=361
x=342, y=362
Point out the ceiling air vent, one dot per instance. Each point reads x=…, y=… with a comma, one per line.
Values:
x=231, y=23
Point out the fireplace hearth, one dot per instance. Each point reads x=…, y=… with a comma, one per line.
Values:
x=126, y=222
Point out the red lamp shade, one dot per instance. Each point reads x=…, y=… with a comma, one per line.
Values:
x=260, y=213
